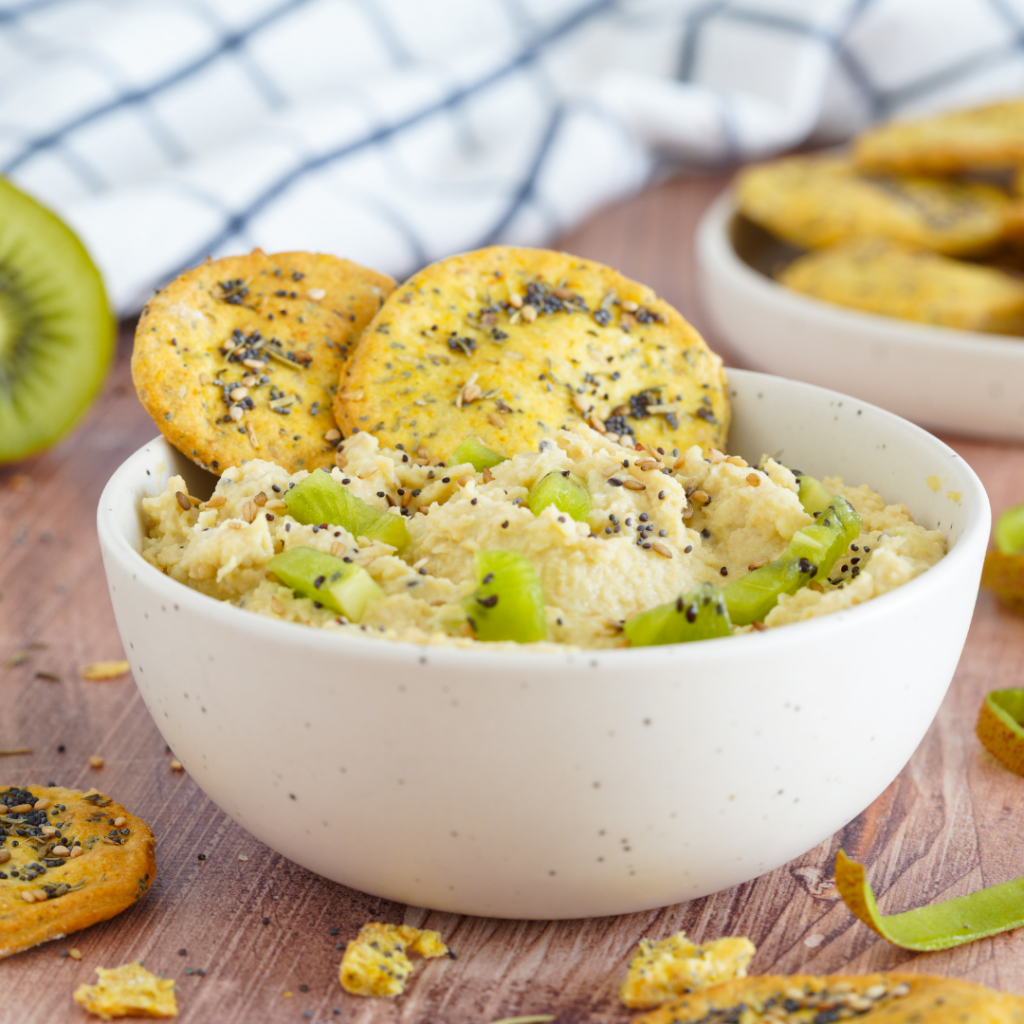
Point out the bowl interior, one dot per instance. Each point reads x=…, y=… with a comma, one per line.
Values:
x=820, y=432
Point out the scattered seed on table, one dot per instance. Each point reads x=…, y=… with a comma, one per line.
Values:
x=95, y=761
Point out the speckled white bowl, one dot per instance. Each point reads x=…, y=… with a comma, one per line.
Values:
x=946, y=379
x=569, y=784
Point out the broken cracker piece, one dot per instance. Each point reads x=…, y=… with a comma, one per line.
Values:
x=375, y=962
x=664, y=970
x=128, y=991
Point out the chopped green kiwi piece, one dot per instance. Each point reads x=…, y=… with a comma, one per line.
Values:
x=342, y=586
x=1009, y=531
x=750, y=598
x=319, y=498
x=698, y=615
x=477, y=454
x=508, y=603
x=565, y=492
x=812, y=550
x=813, y=494
x=56, y=328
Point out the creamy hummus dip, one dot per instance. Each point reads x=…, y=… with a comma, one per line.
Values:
x=660, y=524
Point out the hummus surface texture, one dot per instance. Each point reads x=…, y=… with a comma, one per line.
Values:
x=660, y=524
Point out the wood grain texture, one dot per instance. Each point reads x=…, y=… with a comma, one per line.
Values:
x=949, y=824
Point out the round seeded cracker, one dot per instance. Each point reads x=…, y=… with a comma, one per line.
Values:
x=509, y=345
x=239, y=358
x=67, y=860
x=989, y=137
x=897, y=998
x=815, y=201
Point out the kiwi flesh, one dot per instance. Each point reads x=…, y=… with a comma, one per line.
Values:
x=56, y=328
x=700, y=614
x=343, y=587
x=319, y=498
x=565, y=492
x=508, y=603
x=477, y=454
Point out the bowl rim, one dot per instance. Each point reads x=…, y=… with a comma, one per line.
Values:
x=717, y=254
x=116, y=546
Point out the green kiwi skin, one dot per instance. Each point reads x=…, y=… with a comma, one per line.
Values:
x=1009, y=531
x=72, y=359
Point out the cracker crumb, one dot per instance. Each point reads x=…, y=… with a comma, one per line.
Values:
x=99, y=670
x=666, y=969
x=375, y=962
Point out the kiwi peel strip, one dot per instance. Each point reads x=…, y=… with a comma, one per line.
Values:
x=963, y=919
x=1001, y=727
x=1003, y=572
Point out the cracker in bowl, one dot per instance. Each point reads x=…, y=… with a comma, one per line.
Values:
x=815, y=201
x=980, y=138
x=509, y=345
x=877, y=276
x=239, y=358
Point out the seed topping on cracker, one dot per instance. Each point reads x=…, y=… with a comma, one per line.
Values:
x=67, y=860
x=509, y=345
x=240, y=357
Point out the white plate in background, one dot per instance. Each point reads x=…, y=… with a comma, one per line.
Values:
x=945, y=379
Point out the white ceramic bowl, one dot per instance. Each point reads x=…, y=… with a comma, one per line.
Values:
x=946, y=379
x=565, y=784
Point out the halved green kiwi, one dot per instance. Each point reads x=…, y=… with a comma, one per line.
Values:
x=56, y=328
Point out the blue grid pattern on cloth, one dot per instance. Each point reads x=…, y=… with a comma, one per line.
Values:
x=394, y=132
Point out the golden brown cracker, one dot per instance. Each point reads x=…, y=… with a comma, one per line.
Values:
x=979, y=138
x=666, y=969
x=871, y=998
x=913, y=284
x=816, y=201
x=509, y=344
x=239, y=358
x=128, y=991
x=47, y=889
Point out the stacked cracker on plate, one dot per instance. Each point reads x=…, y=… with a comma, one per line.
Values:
x=921, y=220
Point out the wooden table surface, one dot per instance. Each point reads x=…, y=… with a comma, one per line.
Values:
x=950, y=823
